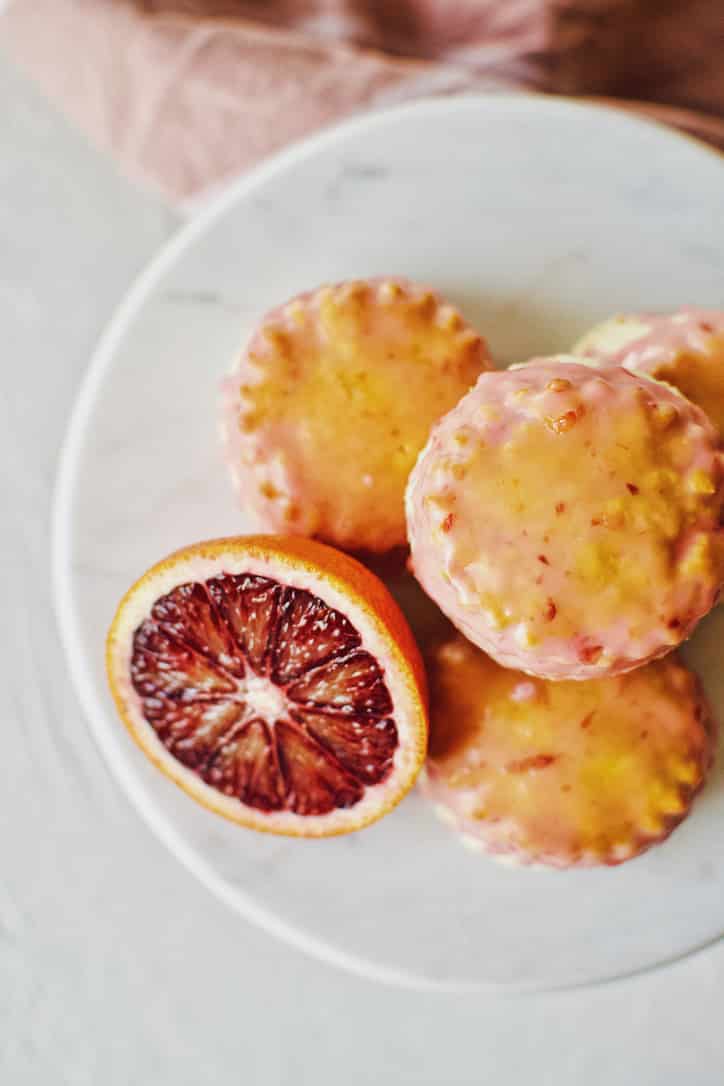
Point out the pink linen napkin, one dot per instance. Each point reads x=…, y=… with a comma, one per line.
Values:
x=185, y=93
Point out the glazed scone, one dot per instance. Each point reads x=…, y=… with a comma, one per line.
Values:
x=685, y=348
x=563, y=774
x=568, y=519
x=329, y=405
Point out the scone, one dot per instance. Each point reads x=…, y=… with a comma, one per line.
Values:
x=568, y=520
x=563, y=774
x=330, y=403
x=685, y=348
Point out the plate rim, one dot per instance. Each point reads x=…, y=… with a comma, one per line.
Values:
x=67, y=620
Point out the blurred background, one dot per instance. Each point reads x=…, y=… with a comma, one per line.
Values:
x=185, y=93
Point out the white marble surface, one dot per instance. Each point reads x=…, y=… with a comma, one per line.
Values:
x=406, y=902
x=115, y=965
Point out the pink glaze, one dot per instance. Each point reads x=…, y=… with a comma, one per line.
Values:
x=567, y=519
x=333, y=398
x=572, y=774
x=685, y=348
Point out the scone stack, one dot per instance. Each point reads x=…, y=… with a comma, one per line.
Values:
x=566, y=516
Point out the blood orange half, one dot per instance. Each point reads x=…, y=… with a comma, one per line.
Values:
x=275, y=680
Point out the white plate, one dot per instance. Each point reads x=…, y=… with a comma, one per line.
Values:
x=538, y=217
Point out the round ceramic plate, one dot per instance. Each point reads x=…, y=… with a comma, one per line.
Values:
x=538, y=217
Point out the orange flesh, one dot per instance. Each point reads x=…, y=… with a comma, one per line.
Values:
x=264, y=692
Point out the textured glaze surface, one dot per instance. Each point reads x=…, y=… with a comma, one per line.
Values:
x=564, y=773
x=533, y=268
x=332, y=400
x=567, y=519
x=685, y=348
